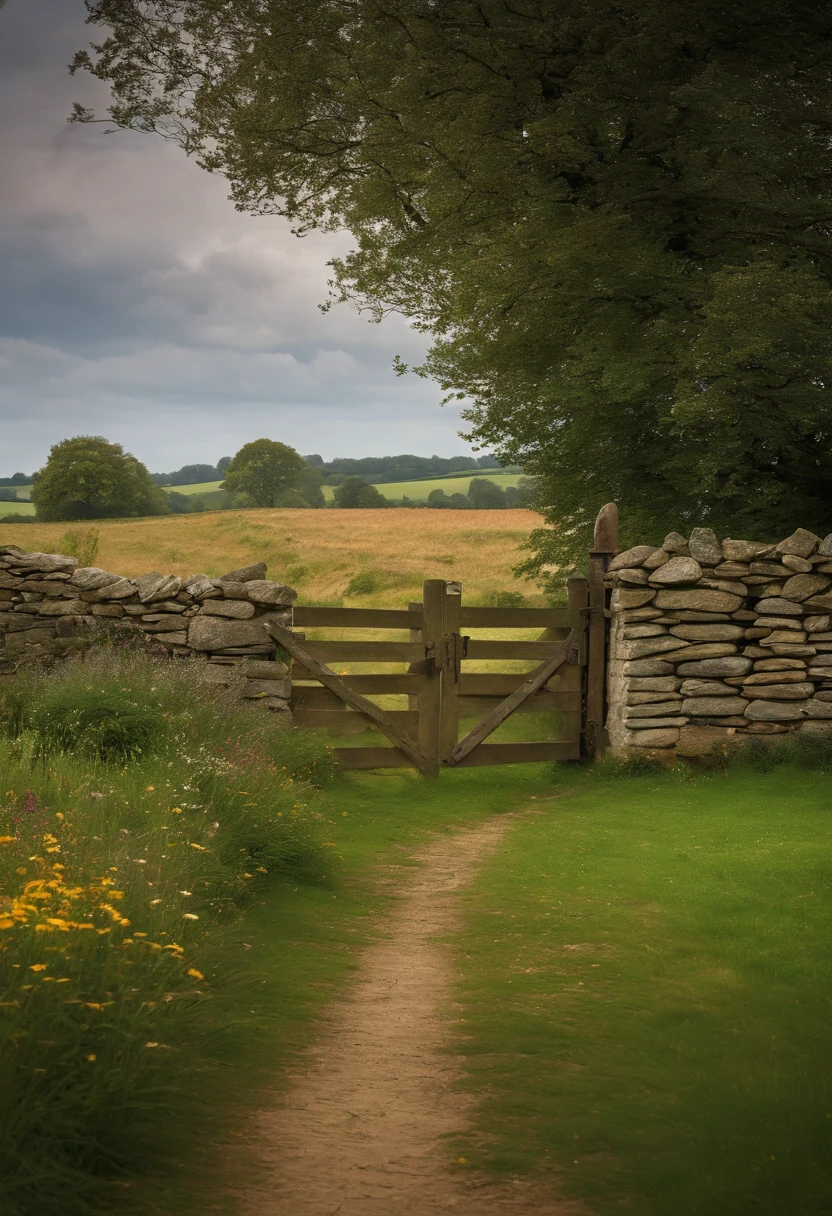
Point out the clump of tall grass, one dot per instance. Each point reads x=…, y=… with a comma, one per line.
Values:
x=128, y=854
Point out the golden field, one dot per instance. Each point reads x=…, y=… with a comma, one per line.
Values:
x=320, y=553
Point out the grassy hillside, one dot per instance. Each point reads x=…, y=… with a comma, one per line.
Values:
x=16, y=508
x=417, y=490
x=322, y=553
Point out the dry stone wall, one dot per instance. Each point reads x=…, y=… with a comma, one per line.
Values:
x=712, y=642
x=47, y=600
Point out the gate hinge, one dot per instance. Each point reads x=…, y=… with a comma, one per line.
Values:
x=573, y=654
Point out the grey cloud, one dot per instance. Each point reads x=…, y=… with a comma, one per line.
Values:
x=139, y=304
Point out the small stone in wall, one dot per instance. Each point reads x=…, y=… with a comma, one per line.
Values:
x=659, y=558
x=200, y=587
x=703, y=740
x=179, y=638
x=776, y=606
x=780, y=692
x=816, y=624
x=730, y=665
x=700, y=650
x=91, y=578
x=634, y=577
x=825, y=546
x=677, y=570
x=779, y=665
x=647, y=667
x=238, y=609
x=157, y=587
x=663, y=737
x=641, y=647
x=674, y=542
x=630, y=557
x=708, y=633
x=654, y=709
x=732, y=570
x=634, y=598
x=245, y=574
x=801, y=586
x=261, y=591
x=651, y=723
x=116, y=591
x=773, y=677
x=704, y=601
x=743, y=550
x=713, y=707
x=706, y=688
x=801, y=543
x=799, y=564
x=705, y=547
x=774, y=711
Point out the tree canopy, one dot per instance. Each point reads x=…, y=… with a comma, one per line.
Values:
x=90, y=478
x=265, y=471
x=356, y=492
x=611, y=216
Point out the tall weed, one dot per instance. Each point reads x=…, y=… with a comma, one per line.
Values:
x=124, y=871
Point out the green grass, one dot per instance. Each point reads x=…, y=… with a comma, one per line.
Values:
x=199, y=487
x=645, y=995
x=419, y=490
x=17, y=508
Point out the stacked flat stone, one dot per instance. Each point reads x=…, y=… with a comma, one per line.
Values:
x=46, y=598
x=712, y=642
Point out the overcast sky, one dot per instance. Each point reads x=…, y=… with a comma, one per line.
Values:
x=136, y=303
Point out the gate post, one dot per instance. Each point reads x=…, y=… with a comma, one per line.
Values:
x=605, y=546
x=451, y=668
x=430, y=698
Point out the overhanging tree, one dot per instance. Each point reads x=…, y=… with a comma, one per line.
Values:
x=613, y=218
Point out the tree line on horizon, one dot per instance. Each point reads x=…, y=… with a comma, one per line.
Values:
x=88, y=477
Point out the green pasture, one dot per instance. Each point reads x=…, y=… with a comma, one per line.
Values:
x=419, y=490
x=645, y=994
x=199, y=487
x=21, y=507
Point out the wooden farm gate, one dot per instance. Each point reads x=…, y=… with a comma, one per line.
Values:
x=567, y=677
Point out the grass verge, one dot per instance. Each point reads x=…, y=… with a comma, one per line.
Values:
x=645, y=985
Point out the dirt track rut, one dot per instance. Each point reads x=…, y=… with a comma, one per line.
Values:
x=363, y=1128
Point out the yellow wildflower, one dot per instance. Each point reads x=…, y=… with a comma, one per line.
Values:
x=91, y=1058
x=38, y=966
x=196, y=974
x=176, y=810
x=201, y=847
x=190, y=916
x=6, y=839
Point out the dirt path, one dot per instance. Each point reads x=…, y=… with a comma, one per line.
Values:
x=362, y=1129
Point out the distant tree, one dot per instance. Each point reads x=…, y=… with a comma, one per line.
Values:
x=17, y=479
x=89, y=478
x=354, y=492
x=180, y=504
x=438, y=498
x=7, y=494
x=308, y=485
x=485, y=495
x=315, y=460
x=263, y=470
x=223, y=463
